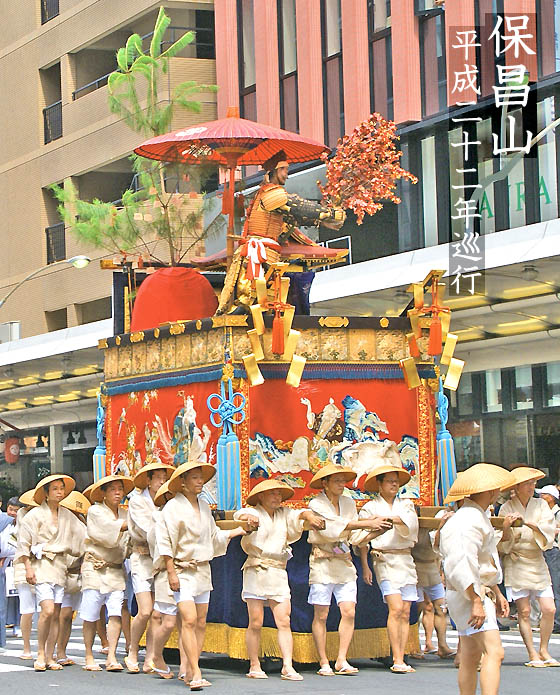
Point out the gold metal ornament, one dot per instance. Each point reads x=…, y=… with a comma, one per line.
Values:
x=256, y=345
x=295, y=372
x=253, y=372
x=453, y=374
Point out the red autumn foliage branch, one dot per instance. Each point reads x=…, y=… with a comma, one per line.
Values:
x=365, y=168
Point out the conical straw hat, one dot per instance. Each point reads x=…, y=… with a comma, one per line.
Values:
x=40, y=494
x=26, y=498
x=176, y=482
x=76, y=502
x=522, y=475
x=482, y=477
x=96, y=493
x=141, y=478
x=330, y=469
x=270, y=484
x=372, y=484
x=159, y=497
x=87, y=492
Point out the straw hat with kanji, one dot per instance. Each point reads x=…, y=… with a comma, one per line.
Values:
x=27, y=498
x=161, y=494
x=523, y=474
x=142, y=478
x=96, y=492
x=331, y=469
x=76, y=502
x=266, y=486
x=176, y=480
x=40, y=492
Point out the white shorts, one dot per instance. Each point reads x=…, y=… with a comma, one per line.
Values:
x=321, y=594
x=27, y=599
x=165, y=608
x=531, y=594
x=72, y=600
x=408, y=592
x=49, y=592
x=185, y=593
x=93, y=600
x=434, y=593
x=140, y=586
x=277, y=599
x=489, y=624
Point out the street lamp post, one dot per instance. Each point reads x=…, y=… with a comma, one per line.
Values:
x=76, y=261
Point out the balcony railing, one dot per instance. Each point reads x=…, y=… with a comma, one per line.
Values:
x=203, y=43
x=49, y=10
x=56, y=242
x=341, y=242
x=52, y=120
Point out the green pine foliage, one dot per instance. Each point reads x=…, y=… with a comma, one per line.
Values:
x=149, y=214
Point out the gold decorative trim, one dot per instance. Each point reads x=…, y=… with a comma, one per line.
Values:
x=218, y=321
x=102, y=344
x=333, y=321
x=156, y=332
x=177, y=328
x=118, y=340
x=239, y=320
x=384, y=322
x=198, y=325
x=137, y=337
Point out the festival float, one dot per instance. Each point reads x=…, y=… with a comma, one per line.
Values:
x=253, y=384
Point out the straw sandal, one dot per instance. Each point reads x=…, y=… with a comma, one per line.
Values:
x=325, y=670
x=257, y=675
x=91, y=667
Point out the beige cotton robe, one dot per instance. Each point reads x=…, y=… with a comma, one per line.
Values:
x=162, y=590
x=74, y=560
x=19, y=567
x=141, y=510
x=268, y=551
x=522, y=555
x=391, y=551
x=46, y=543
x=105, y=543
x=468, y=547
x=330, y=561
x=192, y=539
x=426, y=560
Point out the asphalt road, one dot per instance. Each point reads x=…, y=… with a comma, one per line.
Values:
x=432, y=675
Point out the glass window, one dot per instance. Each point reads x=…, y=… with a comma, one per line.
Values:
x=486, y=207
x=546, y=149
x=548, y=19
x=432, y=64
x=248, y=78
x=467, y=442
x=287, y=38
x=523, y=377
x=493, y=383
x=552, y=385
x=465, y=395
x=380, y=57
x=429, y=191
x=332, y=71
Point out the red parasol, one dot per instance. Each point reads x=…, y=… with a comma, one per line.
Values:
x=232, y=142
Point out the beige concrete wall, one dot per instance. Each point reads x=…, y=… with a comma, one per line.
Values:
x=92, y=138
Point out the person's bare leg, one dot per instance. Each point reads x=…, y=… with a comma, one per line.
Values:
x=53, y=635
x=43, y=628
x=524, y=621
x=101, y=628
x=345, y=632
x=440, y=624
x=25, y=624
x=255, y=609
x=472, y=648
x=281, y=613
x=405, y=626
x=89, y=630
x=145, y=603
x=113, y=634
x=548, y=609
x=319, y=630
x=160, y=637
x=394, y=626
x=187, y=609
x=125, y=625
x=183, y=661
x=427, y=623
x=64, y=632
x=201, y=613
x=154, y=624
x=491, y=663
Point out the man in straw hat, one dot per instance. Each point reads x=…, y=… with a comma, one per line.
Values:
x=331, y=570
x=187, y=540
x=45, y=537
x=265, y=580
x=392, y=559
x=471, y=565
x=78, y=505
x=526, y=575
x=141, y=510
x=103, y=577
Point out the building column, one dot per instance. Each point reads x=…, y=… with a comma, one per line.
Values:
x=406, y=62
x=459, y=17
x=55, y=449
x=227, y=56
x=310, y=69
x=355, y=61
x=266, y=62
x=519, y=8
x=67, y=77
